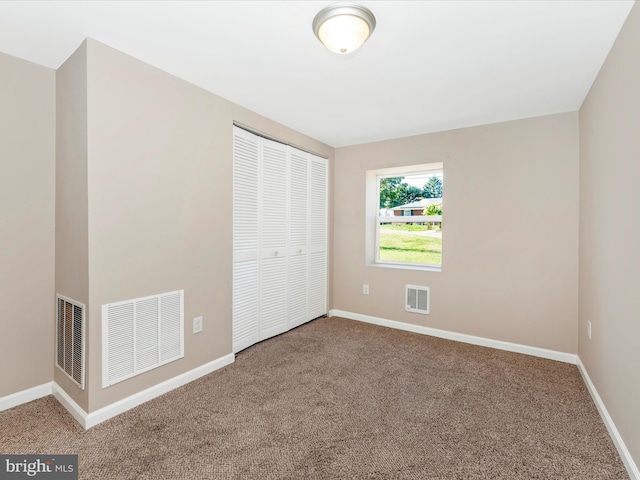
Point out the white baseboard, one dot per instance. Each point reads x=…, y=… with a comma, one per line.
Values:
x=631, y=466
x=70, y=405
x=24, y=396
x=460, y=337
x=121, y=406
x=627, y=459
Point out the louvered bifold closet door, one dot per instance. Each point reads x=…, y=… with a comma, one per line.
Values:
x=246, y=154
x=318, y=237
x=298, y=239
x=274, y=248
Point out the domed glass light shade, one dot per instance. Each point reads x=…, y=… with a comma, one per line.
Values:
x=344, y=27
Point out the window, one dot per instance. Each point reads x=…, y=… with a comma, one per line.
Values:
x=404, y=220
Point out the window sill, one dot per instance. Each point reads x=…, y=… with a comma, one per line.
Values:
x=405, y=267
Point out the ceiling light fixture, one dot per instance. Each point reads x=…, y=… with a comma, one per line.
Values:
x=344, y=27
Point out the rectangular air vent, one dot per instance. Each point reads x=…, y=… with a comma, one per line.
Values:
x=141, y=334
x=70, y=339
x=417, y=299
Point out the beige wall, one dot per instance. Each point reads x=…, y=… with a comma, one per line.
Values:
x=27, y=189
x=160, y=196
x=142, y=191
x=72, y=269
x=510, y=261
x=610, y=233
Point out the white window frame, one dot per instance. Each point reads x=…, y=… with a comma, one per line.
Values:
x=372, y=250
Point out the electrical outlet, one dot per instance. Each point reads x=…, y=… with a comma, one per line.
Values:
x=197, y=325
x=589, y=330
x=365, y=289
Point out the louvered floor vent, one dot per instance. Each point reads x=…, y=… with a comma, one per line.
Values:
x=141, y=334
x=70, y=335
x=417, y=299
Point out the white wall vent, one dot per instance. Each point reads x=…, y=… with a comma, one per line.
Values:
x=70, y=335
x=417, y=299
x=141, y=334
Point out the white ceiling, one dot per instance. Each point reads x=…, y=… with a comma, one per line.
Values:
x=429, y=66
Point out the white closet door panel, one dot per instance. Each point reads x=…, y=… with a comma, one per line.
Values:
x=245, y=190
x=299, y=208
x=298, y=290
x=299, y=238
x=298, y=250
x=274, y=252
x=273, y=297
x=318, y=237
x=245, y=304
x=245, y=255
x=317, y=284
x=318, y=202
x=274, y=194
x=298, y=302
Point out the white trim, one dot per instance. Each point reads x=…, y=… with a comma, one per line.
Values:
x=406, y=266
x=410, y=218
x=121, y=406
x=88, y=420
x=409, y=170
x=460, y=337
x=627, y=459
x=69, y=403
x=24, y=396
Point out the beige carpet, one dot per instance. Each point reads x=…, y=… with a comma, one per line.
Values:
x=340, y=399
